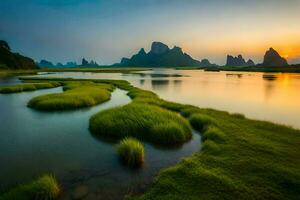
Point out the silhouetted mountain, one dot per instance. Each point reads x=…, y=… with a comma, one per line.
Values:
x=273, y=59
x=250, y=63
x=238, y=61
x=46, y=64
x=161, y=55
x=71, y=64
x=10, y=60
x=85, y=63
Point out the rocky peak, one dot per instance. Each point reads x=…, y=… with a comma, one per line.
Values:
x=235, y=61
x=250, y=63
x=273, y=59
x=159, y=48
x=142, y=51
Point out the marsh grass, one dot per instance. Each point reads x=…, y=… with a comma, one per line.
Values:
x=28, y=87
x=44, y=188
x=200, y=122
x=146, y=122
x=75, y=95
x=241, y=159
x=131, y=152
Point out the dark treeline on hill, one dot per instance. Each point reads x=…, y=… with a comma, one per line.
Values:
x=10, y=60
x=84, y=63
x=161, y=55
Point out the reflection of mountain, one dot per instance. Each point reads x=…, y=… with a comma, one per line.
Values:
x=161, y=56
x=269, y=77
x=160, y=84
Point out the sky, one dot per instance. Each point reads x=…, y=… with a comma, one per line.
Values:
x=107, y=30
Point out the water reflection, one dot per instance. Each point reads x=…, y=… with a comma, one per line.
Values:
x=266, y=96
x=269, y=77
x=160, y=84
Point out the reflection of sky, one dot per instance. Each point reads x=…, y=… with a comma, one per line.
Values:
x=108, y=30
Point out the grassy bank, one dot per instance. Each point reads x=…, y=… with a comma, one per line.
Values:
x=43, y=188
x=240, y=158
x=131, y=152
x=75, y=95
x=28, y=87
x=9, y=73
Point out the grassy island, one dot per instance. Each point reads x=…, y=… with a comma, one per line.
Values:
x=75, y=95
x=131, y=152
x=46, y=187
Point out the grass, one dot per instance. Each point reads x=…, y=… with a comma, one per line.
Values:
x=131, y=152
x=44, y=188
x=28, y=87
x=75, y=95
x=239, y=159
x=10, y=73
x=146, y=122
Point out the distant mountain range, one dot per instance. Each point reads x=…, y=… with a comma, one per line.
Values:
x=84, y=63
x=161, y=55
x=10, y=60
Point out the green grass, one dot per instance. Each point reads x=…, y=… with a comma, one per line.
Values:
x=9, y=73
x=28, y=87
x=239, y=159
x=75, y=95
x=131, y=152
x=44, y=188
x=146, y=122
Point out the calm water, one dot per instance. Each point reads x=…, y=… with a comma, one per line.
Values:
x=266, y=96
x=34, y=143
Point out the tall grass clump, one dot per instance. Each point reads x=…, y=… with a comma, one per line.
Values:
x=28, y=87
x=146, y=122
x=75, y=95
x=44, y=188
x=201, y=121
x=213, y=133
x=131, y=152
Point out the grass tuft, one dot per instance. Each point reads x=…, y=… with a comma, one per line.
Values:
x=200, y=122
x=131, y=152
x=213, y=133
x=44, y=188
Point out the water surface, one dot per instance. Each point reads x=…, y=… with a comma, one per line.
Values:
x=34, y=143
x=266, y=96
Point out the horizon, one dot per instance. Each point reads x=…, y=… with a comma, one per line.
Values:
x=107, y=31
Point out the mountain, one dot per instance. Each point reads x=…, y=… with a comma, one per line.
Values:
x=273, y=59
x=161, y=55
x=85, y=63
x=238, y=61
x=46, y=64
x=10, y=60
